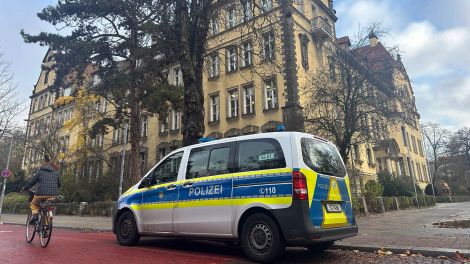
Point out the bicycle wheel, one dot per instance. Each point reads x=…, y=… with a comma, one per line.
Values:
x=45, y=232
x=30, y=229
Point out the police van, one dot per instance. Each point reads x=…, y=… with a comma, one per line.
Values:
x=266, y=191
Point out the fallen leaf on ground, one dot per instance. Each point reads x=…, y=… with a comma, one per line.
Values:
x=442, y=257
x=356, y=251
x=460, y=257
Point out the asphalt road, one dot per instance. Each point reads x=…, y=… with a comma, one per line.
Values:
x=71, y=247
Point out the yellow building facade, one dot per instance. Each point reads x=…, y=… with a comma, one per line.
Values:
x=259, y=54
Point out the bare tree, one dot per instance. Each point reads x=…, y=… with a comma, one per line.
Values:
x=346, y=102
x=9, y=106
x=436, y=139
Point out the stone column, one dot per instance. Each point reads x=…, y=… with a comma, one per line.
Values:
x=389, y=166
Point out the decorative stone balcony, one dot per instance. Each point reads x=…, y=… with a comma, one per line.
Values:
x=321, y=29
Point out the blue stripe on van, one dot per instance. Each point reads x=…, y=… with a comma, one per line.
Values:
x=263, y=190
x=346, y=205
x=320, y=194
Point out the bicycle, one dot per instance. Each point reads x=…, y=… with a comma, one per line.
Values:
x=43, y=226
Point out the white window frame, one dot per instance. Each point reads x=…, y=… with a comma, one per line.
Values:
x=231, y=16
x=247, y=10
x=249, y=99
x=178, y=76
x=266, y=5
x=175, y=120
x=233, y=103
x=215, y=65
x=144, y=127
x=214, y=107
x=271, y=96
x=232, y=59
x=268, y=46
x=214, y=25
x=247, y=54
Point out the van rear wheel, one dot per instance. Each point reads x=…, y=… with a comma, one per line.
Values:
x=126, y=229
x=261, y=238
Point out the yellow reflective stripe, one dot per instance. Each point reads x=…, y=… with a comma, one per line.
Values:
x=331, y=220
x=311, y=177
x=346, y=180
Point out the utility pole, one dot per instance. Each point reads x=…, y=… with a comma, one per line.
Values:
x=123, y=156
x=5, y=180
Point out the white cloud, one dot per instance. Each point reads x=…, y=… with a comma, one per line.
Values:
x=430, y=52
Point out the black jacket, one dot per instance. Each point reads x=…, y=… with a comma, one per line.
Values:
x=47, y=180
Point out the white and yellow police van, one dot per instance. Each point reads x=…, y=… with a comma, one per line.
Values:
x=266, y=190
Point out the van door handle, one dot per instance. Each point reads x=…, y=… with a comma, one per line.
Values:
x=171, y=187
x=187, y=184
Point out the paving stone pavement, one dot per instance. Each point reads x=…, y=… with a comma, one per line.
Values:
x=414, y=228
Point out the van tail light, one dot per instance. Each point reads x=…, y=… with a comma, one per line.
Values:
x=299, y=185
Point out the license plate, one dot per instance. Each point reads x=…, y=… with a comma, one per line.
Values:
x=333, y=208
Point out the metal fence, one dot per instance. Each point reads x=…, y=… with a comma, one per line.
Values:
x=364, y=206
x=89, y=209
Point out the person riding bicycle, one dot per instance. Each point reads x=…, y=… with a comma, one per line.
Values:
x=47, y=179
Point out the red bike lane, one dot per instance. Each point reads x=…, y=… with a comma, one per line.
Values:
x=69, y=246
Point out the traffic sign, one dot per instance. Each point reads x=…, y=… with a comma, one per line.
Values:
x=6, y=173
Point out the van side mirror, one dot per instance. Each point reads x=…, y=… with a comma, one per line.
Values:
x=146, y=182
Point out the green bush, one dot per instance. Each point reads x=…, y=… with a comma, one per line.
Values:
x=373, y=189
x=16, y=198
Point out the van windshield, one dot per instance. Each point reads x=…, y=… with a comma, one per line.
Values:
x=322, y=157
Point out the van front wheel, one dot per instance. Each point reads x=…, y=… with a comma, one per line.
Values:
x=261, y=238
x=126, y=230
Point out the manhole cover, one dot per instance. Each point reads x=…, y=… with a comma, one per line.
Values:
x=453, y=224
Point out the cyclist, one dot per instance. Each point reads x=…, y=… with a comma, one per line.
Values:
x=47, y=179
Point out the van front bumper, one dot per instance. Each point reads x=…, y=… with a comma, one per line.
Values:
x=297, y=227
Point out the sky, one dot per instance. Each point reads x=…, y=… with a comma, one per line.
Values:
x=433, y=37
x=434, y=41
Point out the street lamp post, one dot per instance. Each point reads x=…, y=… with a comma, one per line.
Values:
x=5, y=180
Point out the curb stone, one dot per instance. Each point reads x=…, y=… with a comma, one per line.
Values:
x=425, y=251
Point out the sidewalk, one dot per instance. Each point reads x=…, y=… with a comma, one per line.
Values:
x=66, y=221
x=413, y=230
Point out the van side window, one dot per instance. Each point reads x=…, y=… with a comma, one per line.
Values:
x=208, y=161
x=260, y=154
x=167, y=171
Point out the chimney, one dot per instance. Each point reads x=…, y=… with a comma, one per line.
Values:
x=373, y=40
x=344, y=42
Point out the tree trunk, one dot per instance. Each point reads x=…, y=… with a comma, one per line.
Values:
x=134, y=129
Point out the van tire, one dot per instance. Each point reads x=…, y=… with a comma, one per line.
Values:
x=320, y=247
x=261, y=238
x=126, y=229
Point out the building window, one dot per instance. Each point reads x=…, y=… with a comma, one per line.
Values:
x=164, y=124
x=300, y=6
x=247, y=54
x=214, y=26
x=247, y=10
x=266, y=5
x=270, y=94
x=143, y=162
x=175, y=120
x=403, y=134
x=233, y=103
x=144, y=128
x=249, y=95
x=215, y=108
x=46, y=102
x=231, y=16
x=51, y=98
x=268, y=46
x=214, y=68
x=357, y=153
x=304, y=49
x=46, y=77
x=117, y=136
x=231, y=59
x=178, y=77
x=369, y=156
x=413, y=141
x=100, y=140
